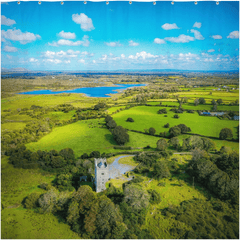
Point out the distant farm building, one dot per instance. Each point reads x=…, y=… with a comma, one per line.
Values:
x=236, y=118
x=213, y=114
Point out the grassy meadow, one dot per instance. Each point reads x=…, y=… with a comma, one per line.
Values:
x=145, y=117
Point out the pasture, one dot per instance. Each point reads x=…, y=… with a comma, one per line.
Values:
x=145, y=117
x=87, y=136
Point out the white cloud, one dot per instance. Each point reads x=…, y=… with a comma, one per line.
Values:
x=62, y=54
x=197, y=34
x=18, y=35
x=65, y=42
x=122, y=56
x=180, y=39
x=67, y=61
x=33, y=60
x=142, y=55
x=9, y=49
x=84, y=21
x=233, y=35
x=197, y=25
x=7, y=21
x=133, y=44
x=169, y=26
x=81, y=61
x=67, y=35
x=208, y=60
x=85, y=53
x=211, y=50
x=216, y=36
x=113, y=44
x=56, y=61
x=159, y=41
x=94, y=61
x=49, y=54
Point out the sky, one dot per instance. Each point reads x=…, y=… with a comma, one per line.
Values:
x=140, y=36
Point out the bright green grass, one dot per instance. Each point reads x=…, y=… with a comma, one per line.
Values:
x=18, y=117
x=128, y=161
x=114, y=109
x=83, y=138
x=13, y=126
x=17, y=183
x=146, y=117
x=26, y=101
x=60, y=115
x=164, y=103
x=26, y=224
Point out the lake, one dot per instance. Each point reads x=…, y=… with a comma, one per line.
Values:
x=89, y=91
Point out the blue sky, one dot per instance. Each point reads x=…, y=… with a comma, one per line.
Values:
x=96, y=36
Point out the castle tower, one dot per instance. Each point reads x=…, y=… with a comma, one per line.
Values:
x=101, y=173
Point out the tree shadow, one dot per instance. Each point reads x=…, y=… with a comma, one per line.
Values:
x=109, y=138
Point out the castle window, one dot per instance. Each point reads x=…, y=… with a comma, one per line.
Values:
x=102, y=173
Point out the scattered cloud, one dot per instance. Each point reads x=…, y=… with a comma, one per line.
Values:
x=142, y=55
x=233, y=35
x=18, y=35
x=33, y=60
x=61, y=54
x=7, y=21
x=159, y=41
x=169, y=26
x=122, y=55
x=65, y=42
x=133, y=44
x=216, y=36
x=67, y=35
x=197, y=34
x=197, y=25
x=67, y=61
x=10, y=49
x=84, y=21
x=180, y=39
x=56, y=61
x=211, y=50
x=113, y=44
x=81, y=61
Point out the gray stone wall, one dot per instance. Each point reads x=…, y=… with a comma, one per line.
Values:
x=101, y=174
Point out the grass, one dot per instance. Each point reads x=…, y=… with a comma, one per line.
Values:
x=17, y=183
x=113, y=109
x=13, y=126
x=60, y=115
x=128, y=160
x=26, y=101
x=26, y=224
x=146, y=117
x=87, y=136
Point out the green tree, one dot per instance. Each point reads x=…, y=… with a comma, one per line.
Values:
x=174, y=142
x=174, y=131
x=162, y=144
x=219, y=101
x=120, y=135
x=208, y=144
x=111, y=124
x=202, y=101
x=152, y=131
x=31, y=201
x=184, y=128
x=225, y=133
x=161, y=170
x=196, y=102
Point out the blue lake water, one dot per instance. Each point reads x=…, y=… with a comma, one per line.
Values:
x=89, y=91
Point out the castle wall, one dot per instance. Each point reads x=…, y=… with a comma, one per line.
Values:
x=101, y=174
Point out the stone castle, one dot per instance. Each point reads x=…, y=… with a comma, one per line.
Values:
x=101, y=174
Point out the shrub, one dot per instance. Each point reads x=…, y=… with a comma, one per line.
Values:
x=176, y=116
x=225, y=133
x=94, y=154
x=162, y=111
x=154, y=196
x=152, y=131
x=31, y=201
x=120, y=135
x=166, y=125
x=162, y=184
x=130, y=120
x=174, y=131
x=162, y=144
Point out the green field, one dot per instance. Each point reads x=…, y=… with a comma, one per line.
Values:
x=146, y=117
x=60, y=115
x=87, y=136
x=26, y=101
x=10, y=126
